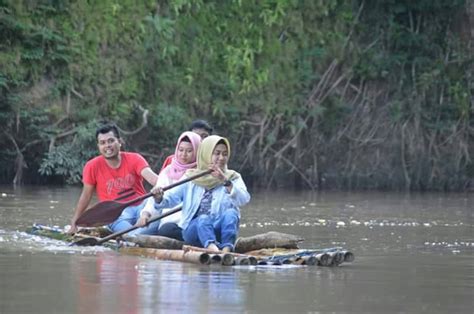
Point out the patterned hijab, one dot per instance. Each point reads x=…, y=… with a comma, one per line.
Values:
x=204, y=159
x=177, y=169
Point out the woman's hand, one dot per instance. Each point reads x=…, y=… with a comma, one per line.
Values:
x=157, y=193
x=143, y=220
x=217, y=172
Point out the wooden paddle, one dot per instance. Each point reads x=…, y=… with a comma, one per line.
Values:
x=94, y=241
x=106, y=212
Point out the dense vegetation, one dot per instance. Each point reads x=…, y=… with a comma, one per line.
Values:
x=319, y=94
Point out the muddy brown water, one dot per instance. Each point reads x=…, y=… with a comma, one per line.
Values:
x=414, y=253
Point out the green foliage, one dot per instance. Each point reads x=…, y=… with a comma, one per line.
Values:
x=320, y=82
x=59, y=162
x=67, y=160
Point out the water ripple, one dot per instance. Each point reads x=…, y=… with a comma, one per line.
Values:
x=341, y=223
x=19, y=240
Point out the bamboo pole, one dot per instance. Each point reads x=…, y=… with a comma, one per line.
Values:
x=173, y=255
x=241, y=260
x=216, y=259
x=348, y=256
x=309, y=260
x=227, y=257
x=323, y=259
x=336, y=258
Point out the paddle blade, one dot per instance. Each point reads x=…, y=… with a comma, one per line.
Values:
x=101, y=214
x=86, y=242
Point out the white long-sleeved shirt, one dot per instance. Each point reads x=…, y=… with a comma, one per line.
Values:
x=163, y=180
x=190, y=195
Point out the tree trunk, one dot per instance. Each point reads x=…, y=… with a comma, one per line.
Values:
x=270, y=239
x=154, y=241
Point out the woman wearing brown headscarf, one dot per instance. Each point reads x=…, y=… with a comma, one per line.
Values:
x=211, y=203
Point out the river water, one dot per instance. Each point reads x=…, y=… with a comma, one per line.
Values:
x=414, y=253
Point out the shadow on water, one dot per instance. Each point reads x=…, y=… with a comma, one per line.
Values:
x=413, y=254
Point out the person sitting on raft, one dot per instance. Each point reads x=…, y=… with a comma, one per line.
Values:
x=184, y=158
x=115, y=174
x=201, y=128
x=210, y=214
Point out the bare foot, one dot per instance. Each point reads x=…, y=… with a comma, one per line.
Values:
x=212, y=247
x=226, y=249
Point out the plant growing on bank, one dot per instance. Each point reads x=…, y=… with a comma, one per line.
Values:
x=317, y=94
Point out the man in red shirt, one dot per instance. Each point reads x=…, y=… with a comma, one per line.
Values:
x=115, y=174
x=201, y=128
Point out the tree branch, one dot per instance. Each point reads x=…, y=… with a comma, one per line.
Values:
x=141, y=127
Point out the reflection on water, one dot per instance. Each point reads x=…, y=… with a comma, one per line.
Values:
x=121, y=284
x=413, y=254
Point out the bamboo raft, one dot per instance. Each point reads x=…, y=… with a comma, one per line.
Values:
x=267, y=249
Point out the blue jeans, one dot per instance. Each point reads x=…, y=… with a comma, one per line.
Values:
x=129, y=217
x=203, y=230
x=171, y=230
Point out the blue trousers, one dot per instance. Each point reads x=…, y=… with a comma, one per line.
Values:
x=129, y=218
x=171, y=230
x=203, y=230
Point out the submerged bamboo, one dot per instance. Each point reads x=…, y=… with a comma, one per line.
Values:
x=216, y=259
x=253, y=260
x=348, y=256
x=323, y=259
x=337, y=257
x=241, y=260
x=309, y=260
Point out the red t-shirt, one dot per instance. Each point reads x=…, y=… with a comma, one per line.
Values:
x=167, y=162
x=109, y=182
